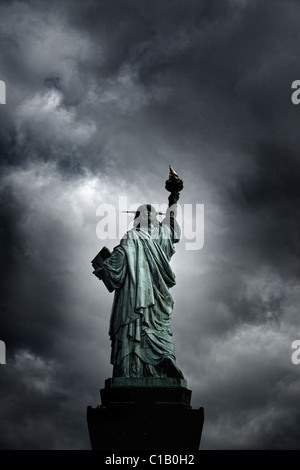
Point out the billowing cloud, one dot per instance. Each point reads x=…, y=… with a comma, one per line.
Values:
x=101, y=98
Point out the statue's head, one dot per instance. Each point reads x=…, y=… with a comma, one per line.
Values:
x=145, y=217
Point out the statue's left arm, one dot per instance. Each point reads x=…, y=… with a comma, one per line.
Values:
x=113, y=270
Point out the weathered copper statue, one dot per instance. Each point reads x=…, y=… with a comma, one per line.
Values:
x=139, y=272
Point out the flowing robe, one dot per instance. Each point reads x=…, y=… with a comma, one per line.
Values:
x=139, y=272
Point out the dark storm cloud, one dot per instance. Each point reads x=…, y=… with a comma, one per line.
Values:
x=101, y=97
x=273, y=192
x=43, y=276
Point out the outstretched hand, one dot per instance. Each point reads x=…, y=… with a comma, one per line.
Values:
x=98, y=272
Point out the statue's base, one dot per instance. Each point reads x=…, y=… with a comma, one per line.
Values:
x=145, y=414
x=145, y=382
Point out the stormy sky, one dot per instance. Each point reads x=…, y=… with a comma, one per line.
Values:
x=101, y=97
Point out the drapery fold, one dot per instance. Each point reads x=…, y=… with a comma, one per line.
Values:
x=140, y=274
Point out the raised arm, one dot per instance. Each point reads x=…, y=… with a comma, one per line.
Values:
x=172, y=209
x=174, y=185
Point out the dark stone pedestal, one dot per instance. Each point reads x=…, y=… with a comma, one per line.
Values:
x=145, y=414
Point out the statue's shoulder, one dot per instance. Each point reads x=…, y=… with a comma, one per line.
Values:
x=129, y=239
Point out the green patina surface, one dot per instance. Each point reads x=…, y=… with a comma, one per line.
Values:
x=138, y=271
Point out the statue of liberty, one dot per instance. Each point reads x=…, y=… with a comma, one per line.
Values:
x=139, y=272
